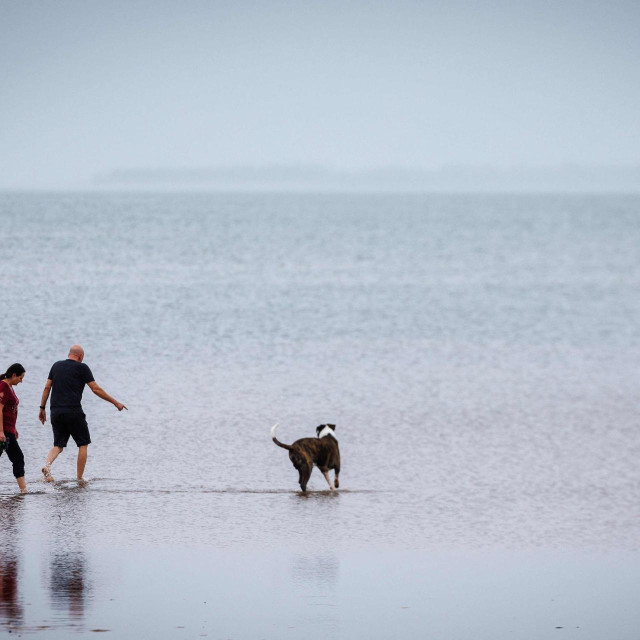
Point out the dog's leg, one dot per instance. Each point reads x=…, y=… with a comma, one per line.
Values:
x=299, y=465
x=305, y=474
x=325, y=473
x=336, y=481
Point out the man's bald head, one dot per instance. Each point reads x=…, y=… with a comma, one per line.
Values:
x=76, y=353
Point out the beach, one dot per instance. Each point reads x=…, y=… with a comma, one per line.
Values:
x=478, y=354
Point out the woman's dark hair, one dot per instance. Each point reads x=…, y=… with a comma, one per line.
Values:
x=16, y=369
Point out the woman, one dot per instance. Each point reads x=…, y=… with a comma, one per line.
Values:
x=8, y=416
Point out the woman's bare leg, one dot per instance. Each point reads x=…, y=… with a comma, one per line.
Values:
x=22, y=484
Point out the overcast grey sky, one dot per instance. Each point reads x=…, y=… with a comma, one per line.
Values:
x=89, y=87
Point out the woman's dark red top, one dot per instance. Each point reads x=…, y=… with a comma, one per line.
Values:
x=10, y=409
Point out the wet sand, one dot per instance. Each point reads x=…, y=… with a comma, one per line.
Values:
x=70, y=584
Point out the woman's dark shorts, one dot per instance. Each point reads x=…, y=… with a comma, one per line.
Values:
x=14, y=453
x=70, y=424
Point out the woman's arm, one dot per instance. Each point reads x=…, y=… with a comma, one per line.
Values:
x=3, y=438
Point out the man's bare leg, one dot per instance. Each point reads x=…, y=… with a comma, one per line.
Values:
x=22, y=484
x=46, y=470
x=82, y=460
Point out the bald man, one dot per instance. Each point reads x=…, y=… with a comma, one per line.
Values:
x=67, y=378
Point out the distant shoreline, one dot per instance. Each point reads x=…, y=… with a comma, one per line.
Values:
x=444, y=179
x=311, y=178
x=319, y=191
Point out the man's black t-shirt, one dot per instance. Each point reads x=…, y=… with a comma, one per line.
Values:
x=68, y=378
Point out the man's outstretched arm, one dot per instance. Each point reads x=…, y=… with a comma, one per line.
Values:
x=42, y=416
x=101, y=393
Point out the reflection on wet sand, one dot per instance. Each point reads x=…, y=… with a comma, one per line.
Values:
x=316, y=577
x=318, y=571
x=68, y=585
x=11, y=611
x=68, y=578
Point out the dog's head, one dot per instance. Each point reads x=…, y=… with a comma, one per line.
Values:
x=323, y=430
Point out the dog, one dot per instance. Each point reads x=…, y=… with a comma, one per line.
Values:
x=322, y=451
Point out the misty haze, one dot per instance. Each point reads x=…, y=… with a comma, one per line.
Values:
x=416, y=95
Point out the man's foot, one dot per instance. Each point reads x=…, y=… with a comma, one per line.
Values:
x=23, y=491
x=46, y=472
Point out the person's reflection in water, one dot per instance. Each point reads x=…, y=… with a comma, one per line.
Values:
x=11, y=613
x=68, y=585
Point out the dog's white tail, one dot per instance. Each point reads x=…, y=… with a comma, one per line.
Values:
x=273, y=437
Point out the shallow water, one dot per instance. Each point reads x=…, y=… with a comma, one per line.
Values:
x=477, y=353
x=204, y=592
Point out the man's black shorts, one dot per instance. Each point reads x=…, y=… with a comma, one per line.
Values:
x=70, y=424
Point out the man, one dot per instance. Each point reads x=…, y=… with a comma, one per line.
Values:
x=67, y=378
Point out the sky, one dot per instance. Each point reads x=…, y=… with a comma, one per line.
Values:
x=88, y=87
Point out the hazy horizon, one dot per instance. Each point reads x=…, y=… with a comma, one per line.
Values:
x=523, y=94
x=566, y=178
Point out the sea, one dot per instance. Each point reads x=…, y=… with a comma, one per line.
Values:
x=478, y=353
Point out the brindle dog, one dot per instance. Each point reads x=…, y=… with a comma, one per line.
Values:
x=322, y=451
